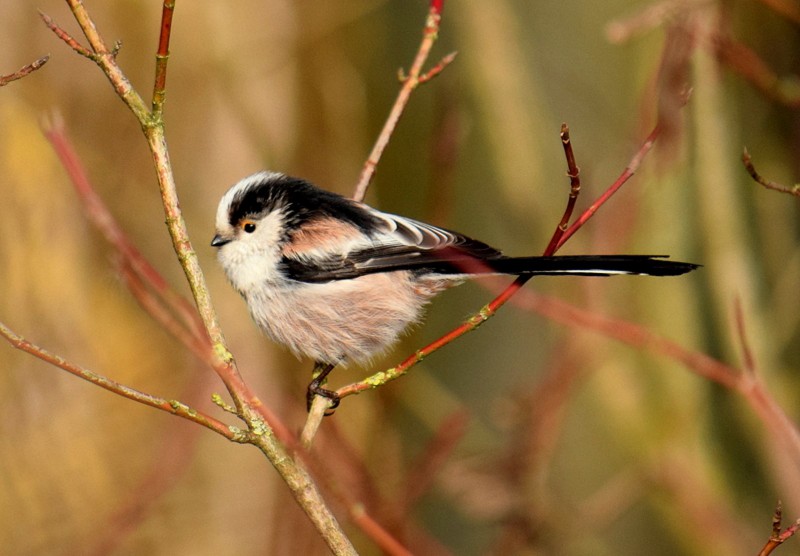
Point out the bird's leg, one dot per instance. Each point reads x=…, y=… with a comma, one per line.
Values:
x=320, y=373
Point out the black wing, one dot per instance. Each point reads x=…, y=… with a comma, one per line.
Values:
x=399, y=244
x=405, y=244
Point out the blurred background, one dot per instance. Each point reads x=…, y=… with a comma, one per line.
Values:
x=526, y=437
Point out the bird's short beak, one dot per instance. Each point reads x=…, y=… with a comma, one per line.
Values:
x=219, y=241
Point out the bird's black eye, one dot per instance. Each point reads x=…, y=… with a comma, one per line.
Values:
x=249, y=227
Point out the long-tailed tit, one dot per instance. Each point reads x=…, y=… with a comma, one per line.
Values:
x=336, y=280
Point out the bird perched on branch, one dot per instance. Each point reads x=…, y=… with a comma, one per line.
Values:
x=336, y=280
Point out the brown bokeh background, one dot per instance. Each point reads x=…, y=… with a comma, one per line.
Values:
x=571, y=443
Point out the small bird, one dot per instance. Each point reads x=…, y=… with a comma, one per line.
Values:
x=337, y=281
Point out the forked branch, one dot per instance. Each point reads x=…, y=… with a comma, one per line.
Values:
x=248, y=407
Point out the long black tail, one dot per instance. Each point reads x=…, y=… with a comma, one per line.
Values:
x=589, y=265
x=455, y=262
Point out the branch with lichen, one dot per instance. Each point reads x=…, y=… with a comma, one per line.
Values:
x=247, y=406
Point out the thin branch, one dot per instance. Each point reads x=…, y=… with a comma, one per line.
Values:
x=747, y=384
x=70, y=41
x=102, y=218
x=574, y=190
x=654, y=15
x=154, y=132
x=410, y=82
x=627, y=173
x=162, y=58
x=173, y=407
x=753, y=69
x=23, y=71
x=779, y=537
x=142, y=278
x=155, y=307
x=437, y=69
x=248, y=406
x=769, y=184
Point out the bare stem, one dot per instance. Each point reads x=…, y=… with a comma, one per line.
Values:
x=778, y=537
x=410, y=82
x=248, y=407
x=574, y=190
x=23, y=71
x=162, y=57
x=627, y=173
x=769, y=184
x=101, y=217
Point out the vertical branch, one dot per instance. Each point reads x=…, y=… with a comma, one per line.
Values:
x=248, y=407
x=574, y=190
x=162, y=57
x=154, y=131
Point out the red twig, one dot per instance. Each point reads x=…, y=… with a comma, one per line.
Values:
x=779, y=537
x=155, y=307
x=755, y=70
x=23, y=71
x=632, y=168
x=410, y=82
x=574, y=190
x=437, y=69
x=102, y=218
x=162, y=57
x=747, y=384
x=629, y=333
